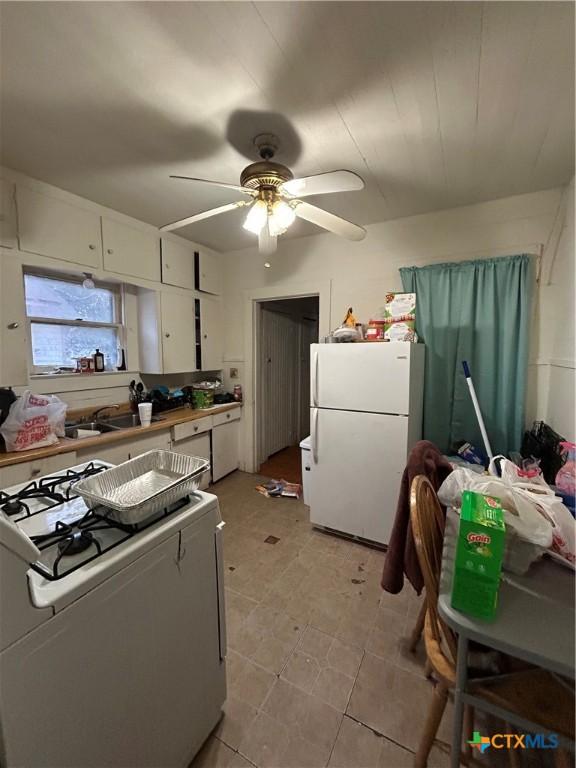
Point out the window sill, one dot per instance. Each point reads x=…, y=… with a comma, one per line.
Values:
x=49, y=383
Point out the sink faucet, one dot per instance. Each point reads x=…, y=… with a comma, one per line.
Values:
x=94, y=416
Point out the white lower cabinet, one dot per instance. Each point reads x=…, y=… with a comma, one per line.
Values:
x=30, y=470
x=225, y=444
x=196, y=446
x=127, y=449
x=114, y=454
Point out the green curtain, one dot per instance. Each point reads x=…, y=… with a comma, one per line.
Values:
x=477, y=311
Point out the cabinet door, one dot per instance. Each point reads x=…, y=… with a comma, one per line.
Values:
x=196, y=446
x=177, y=264
x=151, y=442
x=130, y=251
x=115, y=454
x=208, y=272
x=178, y=333
x=225, y=457
x=30, y=470
x=7, y=215
x=52, y=227
x=211, y=334
x=13, y=325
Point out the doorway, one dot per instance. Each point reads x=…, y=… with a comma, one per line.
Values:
x=285, y=330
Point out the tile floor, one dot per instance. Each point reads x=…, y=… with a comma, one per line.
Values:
x=318, y=671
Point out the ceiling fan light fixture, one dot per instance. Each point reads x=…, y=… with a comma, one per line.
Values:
x=282, y=216
x=256, y=217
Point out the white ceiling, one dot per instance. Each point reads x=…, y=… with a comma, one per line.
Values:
x=435, y=104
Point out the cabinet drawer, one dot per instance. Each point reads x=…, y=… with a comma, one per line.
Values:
x=191, y=428
x=227, y=417
x=196, y=446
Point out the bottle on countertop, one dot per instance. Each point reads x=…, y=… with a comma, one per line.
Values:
x=238, y=393
x=98, y=361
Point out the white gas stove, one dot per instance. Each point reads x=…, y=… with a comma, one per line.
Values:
x=112, y=637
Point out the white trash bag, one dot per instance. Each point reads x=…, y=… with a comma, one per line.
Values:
x=529, y=506
x=34, y=421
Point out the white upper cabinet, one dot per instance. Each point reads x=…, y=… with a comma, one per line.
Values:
x=210, y=334
x=178, y=336
x=130, y=250
x=8, y=232
x=177, y=263
x=52, y=227
x=208, y=272
x=13, y=325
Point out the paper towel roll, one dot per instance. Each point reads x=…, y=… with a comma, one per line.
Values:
x=81, y=433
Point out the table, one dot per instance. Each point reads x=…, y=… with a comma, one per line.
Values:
x=535, y=622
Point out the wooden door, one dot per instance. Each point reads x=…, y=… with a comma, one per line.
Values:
x=279, y=361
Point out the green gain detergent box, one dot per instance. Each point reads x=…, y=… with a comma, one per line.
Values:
x=479, y=555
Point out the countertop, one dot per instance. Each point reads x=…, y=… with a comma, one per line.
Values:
x=68, y=444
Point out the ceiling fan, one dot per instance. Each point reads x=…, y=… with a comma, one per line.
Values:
x=274, y=198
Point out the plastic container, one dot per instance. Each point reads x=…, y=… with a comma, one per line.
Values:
x=375, y=330
x=203, y=398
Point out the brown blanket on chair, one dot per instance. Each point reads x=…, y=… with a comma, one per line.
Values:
x=401, y=558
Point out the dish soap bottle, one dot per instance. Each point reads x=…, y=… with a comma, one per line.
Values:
x=98, y=361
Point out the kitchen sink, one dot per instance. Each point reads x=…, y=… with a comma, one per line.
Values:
x=125, y=421
x=113, y=424
x=90, y=426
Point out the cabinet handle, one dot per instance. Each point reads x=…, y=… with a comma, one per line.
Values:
x=205, y=336
x=92, y=247
x=227, y=415
x=35, y=472
x=167, y=335
x=12, y=326
x=167, y=266
x=110, y=251
x=195, y=429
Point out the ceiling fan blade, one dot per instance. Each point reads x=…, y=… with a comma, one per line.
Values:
x=323, y=184
x=245, y=190
x=202, y=215
x=267, y=243
x=329, y=221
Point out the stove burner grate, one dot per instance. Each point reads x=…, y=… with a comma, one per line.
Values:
x=78, y=537
x=52, y=491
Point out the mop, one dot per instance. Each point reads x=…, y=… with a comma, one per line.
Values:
x=491, y=467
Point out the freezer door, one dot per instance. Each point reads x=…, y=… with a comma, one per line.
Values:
x=357, y=465
x=362, y=377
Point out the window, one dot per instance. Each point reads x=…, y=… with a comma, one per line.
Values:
x=68, y=321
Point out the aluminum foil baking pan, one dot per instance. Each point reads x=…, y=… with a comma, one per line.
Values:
x=143, y=486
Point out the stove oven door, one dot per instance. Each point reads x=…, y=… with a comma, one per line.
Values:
x=128, y=675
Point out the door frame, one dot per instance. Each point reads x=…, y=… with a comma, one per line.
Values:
x=320, y=288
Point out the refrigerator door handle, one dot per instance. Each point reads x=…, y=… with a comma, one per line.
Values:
x=314, y=435
x=315, y=379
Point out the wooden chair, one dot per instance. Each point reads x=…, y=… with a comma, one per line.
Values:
x=533, y=694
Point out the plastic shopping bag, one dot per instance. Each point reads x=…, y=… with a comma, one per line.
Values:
x=34, y=421
x=532, y=512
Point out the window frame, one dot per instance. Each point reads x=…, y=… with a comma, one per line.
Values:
x=117, y=290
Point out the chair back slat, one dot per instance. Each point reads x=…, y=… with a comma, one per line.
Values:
x=427, y=522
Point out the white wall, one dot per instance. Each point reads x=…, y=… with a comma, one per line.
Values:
x=361, y=273
x=556, y=341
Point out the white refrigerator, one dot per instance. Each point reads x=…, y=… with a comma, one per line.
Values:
x=365, y=416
